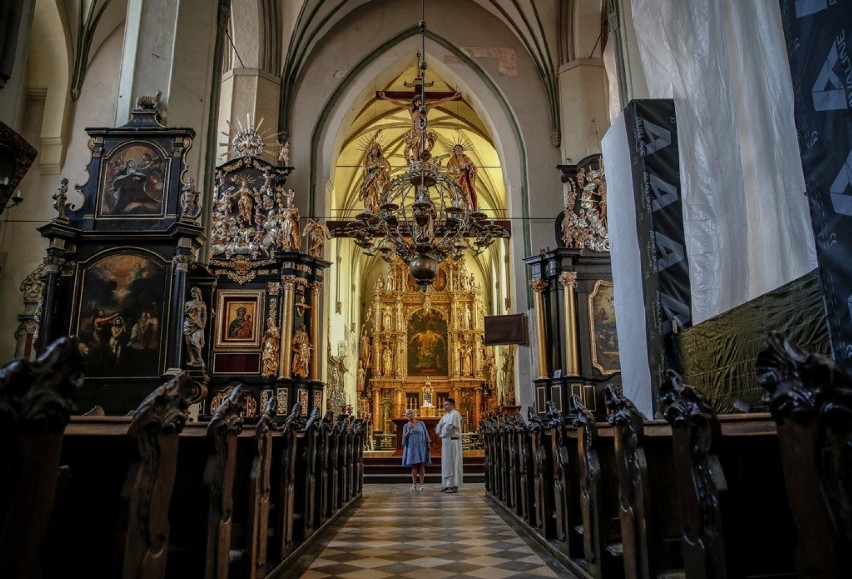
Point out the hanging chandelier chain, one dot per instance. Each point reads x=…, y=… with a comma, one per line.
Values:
x=423, y=216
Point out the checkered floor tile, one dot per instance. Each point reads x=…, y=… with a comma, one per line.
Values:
x=425, y=535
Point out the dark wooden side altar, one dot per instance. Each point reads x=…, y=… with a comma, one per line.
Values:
x=430, y=422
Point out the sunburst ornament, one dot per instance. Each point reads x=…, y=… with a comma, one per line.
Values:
x=246, y=141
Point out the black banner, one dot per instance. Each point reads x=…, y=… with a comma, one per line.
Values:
x=652, y=137
x=818, y=33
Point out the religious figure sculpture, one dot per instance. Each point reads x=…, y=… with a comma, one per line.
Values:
x=465, y=360
x=376, y=175
x=467, y=318
x=189, y=208
x=387, y=361
x=301, y=352
x=284, y=153
x=60, y=198
x=271, y=349
x=509, y=376
x=194, y=323
x=463, y=171
x=291, y=237
x=387, y=320
x=317, y=232
x=414, y=139
x=365, y=346
x=245, y=202
x=362, y=378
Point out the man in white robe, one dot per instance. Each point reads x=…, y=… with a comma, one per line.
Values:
x=449, y=429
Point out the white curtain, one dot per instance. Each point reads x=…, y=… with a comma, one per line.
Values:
x=746, y=218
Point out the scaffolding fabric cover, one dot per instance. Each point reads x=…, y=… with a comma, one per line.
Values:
x=745, y=214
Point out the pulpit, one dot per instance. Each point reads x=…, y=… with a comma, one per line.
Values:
x=430, y=422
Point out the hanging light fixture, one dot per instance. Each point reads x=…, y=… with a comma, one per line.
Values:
x=423, y=216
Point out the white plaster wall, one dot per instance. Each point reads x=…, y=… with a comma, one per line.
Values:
x=21, y=246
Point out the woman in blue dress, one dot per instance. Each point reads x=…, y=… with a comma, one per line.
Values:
x=415, y=448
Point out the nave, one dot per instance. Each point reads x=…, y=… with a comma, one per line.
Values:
x=425, y=535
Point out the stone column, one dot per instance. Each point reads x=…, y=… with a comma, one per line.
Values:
x=568, y=280
x=176, y=48
x=288, y=298
x=251, y=84
x=538, y=286
x=582, y=87
x=316, y=287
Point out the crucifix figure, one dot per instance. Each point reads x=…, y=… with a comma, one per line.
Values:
x=418, y=141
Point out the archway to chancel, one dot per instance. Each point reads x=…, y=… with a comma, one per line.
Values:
x=381, y=301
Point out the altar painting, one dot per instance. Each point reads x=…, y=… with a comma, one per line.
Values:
x=427, y=344
x=119, y=321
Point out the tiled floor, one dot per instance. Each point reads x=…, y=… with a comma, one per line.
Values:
x=425, y=535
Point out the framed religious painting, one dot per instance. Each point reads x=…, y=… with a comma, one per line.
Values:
x=427, y=353
x=602, y=332
x=120, y=313
x=134, y=175
x=239, y=317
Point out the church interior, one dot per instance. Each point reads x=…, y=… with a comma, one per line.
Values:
x=241, y=239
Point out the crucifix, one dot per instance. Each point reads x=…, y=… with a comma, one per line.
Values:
x=417, y=103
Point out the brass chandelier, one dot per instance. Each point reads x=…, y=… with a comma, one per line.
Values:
x=423, y=215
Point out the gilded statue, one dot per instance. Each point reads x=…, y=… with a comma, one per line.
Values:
x=291, y=237
x=463, y=172
x=376, y=176
x=365, y=346
x=387, y=361
x=301, y=352
x=271, y=349
x=316, y=232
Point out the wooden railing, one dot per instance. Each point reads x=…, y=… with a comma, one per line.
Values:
x=151, y=495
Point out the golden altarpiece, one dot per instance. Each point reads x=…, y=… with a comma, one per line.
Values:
x=420, y=348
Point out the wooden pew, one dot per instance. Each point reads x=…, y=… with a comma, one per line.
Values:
x=321, y=513
x=644, y=536
x=542, y=515
x=360, y=439
x=736, y=522
x=35, y=406
x=510, y=471
x=598, y=498
x=114, y=520
x=284, y=524
x=810, y=399
x=523, y=467
x=487, y=432
x=565, y=515
x=202, y=521
x=258, y=524
x=305, y=506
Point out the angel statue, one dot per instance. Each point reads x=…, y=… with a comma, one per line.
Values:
x=316, y=232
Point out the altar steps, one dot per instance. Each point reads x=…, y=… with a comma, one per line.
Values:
x=389, y=470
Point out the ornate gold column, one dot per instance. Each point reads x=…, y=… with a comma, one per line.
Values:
x=400, y=402
x=568, y=279
x=315, y=328
x=288, y=284
x=377, y=409
x=538, y=286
